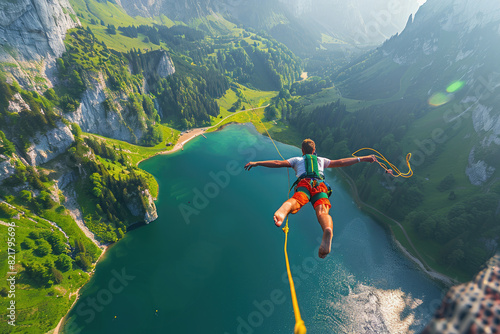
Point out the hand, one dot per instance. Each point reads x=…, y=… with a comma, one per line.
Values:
x=389, y=171
x=372, y=158
x=249, y=165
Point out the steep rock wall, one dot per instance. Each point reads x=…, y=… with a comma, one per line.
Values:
x=93, y=117
x=7, y=167
x=36, y=28
x=47, y=146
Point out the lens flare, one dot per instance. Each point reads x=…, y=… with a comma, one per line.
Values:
x=455, y=86
x=439, y=99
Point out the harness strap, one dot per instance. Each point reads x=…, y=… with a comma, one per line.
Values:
x=318, y=196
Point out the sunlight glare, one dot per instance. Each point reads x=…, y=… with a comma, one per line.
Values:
x=455, y=86
x=439, y=99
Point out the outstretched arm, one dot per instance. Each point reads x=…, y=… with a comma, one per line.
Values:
x=268, y=163
x=351, y=161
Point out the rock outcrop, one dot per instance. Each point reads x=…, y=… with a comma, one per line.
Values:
x=7, y=167
x=151, y=213
x=486, y=124
x=472, y=307
x=36, y=28
x=136, y=206
x=17, y=104
x=93, y=117
x=165, y=65
x=46, y=146
x=116, y=122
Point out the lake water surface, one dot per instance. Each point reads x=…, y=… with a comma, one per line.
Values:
x=213, y=261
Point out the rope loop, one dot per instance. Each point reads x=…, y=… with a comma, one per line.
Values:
x=389, y=168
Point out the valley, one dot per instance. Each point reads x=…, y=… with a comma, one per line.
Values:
x=108, y=85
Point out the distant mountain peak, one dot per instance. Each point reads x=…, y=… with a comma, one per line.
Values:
x=463, y=15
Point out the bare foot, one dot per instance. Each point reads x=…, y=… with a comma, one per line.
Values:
x=279, y=217
x=326, y=243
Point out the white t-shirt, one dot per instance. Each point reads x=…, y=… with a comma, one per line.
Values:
x=299, y=166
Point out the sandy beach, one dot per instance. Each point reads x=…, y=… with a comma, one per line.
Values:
x=185, y=137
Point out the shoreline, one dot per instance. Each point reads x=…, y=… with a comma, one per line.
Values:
x=424, y=267
x=193, y=133
x=57, y=329
x=431, y=273
x=183, y=139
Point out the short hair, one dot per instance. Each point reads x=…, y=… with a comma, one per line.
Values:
x=308, y=146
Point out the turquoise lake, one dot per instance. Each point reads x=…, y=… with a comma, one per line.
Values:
x=213, y=261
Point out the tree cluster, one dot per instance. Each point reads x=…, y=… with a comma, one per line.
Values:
x=112, y=194
x=20, y=127
x=42, y=269
x=468, y=232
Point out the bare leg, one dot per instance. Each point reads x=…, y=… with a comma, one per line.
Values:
x=291, y=205
x=326, y=222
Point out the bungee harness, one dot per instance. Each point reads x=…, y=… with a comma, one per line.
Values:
x=316, y=178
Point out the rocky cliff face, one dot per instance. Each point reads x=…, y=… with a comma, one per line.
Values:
x=93, y=117
x=35, y=28
x=165, y=66
x=49, y=145
x=45, y=146
x=136, y=207
x=7, y=167
x=151, y=213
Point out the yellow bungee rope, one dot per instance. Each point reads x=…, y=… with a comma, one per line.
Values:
x=393, y=169
x=300, y=327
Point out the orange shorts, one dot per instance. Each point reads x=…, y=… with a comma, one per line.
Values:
x=310, y=190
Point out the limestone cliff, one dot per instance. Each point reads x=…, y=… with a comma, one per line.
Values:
x=165, y=66
x=93, y=117
x=47, y=146
x=145, y=207
x=35, y=28
x=102, y=112
x=31, y=38
x=151, y=213
x=7, y=167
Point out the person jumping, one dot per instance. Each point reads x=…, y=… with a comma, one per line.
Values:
x=310, y=187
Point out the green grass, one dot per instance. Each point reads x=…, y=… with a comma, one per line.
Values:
x=166, y=21
x=251, y=99
x=327, y=39
x=38, y=308
x=115, y=15
x=135, y=153
x=453, y=155
x=329, y=95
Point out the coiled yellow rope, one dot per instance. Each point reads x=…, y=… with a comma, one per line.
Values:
x=393, y=169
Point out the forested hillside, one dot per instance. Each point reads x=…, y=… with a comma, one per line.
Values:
x=77, y=118
x=121, y=91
